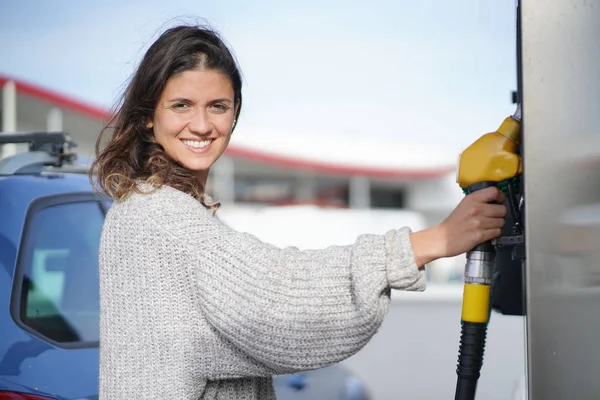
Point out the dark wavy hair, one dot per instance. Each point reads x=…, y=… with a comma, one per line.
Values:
x=132, y=153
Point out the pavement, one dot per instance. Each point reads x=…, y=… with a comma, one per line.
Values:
x=414, y=355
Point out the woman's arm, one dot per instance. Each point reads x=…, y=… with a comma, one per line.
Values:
x=288, y=309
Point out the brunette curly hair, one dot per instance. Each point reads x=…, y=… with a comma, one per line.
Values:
x=132, y=153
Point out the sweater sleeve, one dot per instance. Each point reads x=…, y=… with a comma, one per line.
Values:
x=288, y=309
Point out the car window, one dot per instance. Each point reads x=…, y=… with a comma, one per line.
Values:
x=60, y=292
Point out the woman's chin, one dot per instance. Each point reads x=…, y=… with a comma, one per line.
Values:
x=199, y=169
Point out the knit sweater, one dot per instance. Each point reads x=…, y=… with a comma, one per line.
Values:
x=192, y=309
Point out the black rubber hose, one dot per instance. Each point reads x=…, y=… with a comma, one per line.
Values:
x=470, y=359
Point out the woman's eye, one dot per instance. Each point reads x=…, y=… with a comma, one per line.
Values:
x=181, y=107
x=220, y=107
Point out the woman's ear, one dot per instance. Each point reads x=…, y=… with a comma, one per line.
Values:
x=149, y=124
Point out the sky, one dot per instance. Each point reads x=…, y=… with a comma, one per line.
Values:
x=431, y=73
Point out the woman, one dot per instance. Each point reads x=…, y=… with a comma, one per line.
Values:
x=191, y=309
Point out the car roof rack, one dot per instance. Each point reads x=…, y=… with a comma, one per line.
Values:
x=46, y=149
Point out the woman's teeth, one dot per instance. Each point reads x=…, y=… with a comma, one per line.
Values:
x=197, y=144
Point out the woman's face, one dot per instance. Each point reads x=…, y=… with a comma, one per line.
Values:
x=194, y=118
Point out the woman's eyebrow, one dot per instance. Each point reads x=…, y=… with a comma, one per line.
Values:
x=185, y=100
x=222, y=100
x=179, y=99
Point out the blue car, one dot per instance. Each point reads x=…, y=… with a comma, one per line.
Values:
x=50, y=226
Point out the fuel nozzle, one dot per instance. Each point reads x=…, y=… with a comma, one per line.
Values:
x=492, y=160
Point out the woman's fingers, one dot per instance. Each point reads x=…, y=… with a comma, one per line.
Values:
x=484, y=223
x=495, y=210
x=492, y=233
x=489, y=195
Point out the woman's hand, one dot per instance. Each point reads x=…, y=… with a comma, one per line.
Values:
x=474, y=221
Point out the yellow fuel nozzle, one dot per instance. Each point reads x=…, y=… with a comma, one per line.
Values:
x=492, y=160
x=493, y=157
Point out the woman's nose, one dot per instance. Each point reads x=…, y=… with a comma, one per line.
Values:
x=200, y=123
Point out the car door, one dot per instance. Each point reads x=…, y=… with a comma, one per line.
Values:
x=55, y=300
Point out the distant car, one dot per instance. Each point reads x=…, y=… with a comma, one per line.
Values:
x=330, y=383
x=50, y=226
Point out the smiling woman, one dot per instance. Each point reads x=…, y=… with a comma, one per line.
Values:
x=192, y=309
x=175, y=118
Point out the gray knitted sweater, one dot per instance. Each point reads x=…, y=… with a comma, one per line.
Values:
x=191, y=309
